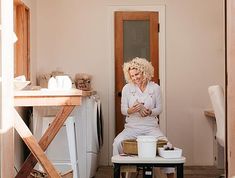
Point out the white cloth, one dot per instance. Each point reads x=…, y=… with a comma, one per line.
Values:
x=135, y=124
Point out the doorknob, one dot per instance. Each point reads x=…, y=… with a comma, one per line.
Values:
x=119, y=94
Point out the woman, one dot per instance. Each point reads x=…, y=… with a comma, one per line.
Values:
x=140, y=103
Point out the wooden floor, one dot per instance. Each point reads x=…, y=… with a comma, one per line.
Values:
x=189, y=172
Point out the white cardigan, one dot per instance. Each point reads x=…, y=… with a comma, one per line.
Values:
x=151, y=97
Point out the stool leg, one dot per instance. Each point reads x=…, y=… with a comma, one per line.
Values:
x=116, y=170
x=180, y=171
x=147, y=171
x=127, y=174
x=72, y=145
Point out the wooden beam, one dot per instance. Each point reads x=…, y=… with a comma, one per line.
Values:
x=34, y=147
x=18, y=2
x=46, y=139
x=46, y=101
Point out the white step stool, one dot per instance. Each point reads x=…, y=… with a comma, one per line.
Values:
x=63, y=155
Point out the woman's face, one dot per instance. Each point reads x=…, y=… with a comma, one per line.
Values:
x=136, y=76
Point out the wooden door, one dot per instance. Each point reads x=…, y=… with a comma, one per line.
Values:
x=22, y=46
x=136, y=35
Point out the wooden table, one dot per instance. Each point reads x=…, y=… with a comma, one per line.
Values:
x=147, y=164
x=67, y=100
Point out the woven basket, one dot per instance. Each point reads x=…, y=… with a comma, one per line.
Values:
x=130, y=146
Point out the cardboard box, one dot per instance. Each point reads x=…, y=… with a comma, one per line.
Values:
x=130, y=146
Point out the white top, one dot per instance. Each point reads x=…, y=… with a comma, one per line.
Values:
x=151, y=97
x=136, y=159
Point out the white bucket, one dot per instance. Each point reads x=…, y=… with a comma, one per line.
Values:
x=147, y=146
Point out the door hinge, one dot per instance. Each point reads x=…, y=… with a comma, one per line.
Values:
x=158, y=27
x=226, y=79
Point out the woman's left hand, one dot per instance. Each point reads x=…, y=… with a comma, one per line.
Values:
x=145, y=112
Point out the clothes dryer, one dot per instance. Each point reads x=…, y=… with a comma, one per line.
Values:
x=89, y=135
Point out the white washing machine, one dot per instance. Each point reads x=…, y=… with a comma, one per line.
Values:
x=89, y=136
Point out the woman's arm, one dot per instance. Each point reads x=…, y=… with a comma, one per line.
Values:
x=125, y=107
x=124, y=100
x=158, y=101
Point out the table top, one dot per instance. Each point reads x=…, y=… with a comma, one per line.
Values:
x=50, y=97
x=136, y=159
x=46, y=92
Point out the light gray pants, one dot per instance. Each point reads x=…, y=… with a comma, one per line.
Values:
x=132, y=132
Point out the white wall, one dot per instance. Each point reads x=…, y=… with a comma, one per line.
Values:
x=73, y=36
x=195, y=60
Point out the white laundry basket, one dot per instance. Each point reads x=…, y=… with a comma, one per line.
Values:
x=147, y=146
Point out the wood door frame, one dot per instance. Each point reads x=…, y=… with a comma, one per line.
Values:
x=120, y=17
x=162, y=64
x=230, y=53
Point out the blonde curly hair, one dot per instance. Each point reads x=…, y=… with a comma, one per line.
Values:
x=140, y=64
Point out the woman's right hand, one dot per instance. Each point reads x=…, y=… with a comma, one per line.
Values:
x=135, y=108
x=145, y=112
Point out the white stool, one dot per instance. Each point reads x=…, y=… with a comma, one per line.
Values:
x=56, y=151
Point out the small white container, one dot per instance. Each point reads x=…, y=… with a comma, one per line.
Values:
x=20, y=82
x=147, y=146
x=63, y=82
x=52, y=85
x=19, y=85
x=176, y=153
x=67, y=83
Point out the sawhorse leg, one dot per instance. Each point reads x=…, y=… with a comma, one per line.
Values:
x=46, y=139
x=34, y=147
